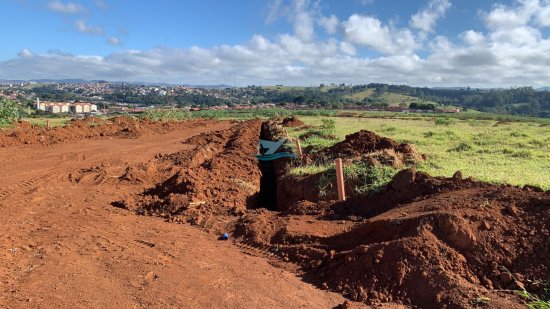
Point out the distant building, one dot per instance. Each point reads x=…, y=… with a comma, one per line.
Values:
x=81, y=107
x=63, y=107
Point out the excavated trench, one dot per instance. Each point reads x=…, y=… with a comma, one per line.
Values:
x=423, y=241
x=268, y=186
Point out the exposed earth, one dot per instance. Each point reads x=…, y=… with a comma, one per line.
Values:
x=129, y=213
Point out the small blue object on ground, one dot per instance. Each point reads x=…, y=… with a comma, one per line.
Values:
x=225, y=236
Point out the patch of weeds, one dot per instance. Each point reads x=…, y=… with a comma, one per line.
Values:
x=326, y=182
x=429, y=134
x=364, y=178
x=390, y=129
x=483, y=139
x=517, y=154
x=476, y=123
x=449, y=133
x=326, y=130
x=526, y=154
x=461, y=147
x=328, y=126
x=309, y=169
x=481, y=301
x=518, y=134
x=521, y=145
x=533, y=301
x=536, y=143
x=443, y=121
x=368, y=178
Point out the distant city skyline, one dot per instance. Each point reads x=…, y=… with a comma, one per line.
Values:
x=430, y=43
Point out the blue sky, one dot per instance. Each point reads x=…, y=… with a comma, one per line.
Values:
x=302, y=42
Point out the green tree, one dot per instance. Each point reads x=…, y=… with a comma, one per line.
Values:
x=9, y=111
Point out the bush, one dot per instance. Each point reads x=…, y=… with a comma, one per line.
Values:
x=368, y=178
x=429, y=134
x=461, y=147
x=9, y=111
x=443, y=121
x=328, y=126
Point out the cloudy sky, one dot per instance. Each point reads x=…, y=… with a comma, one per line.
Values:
x=301, y=42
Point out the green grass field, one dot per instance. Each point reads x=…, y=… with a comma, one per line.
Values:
x=54, y=122
x=517, y=153
x=393, y=99
x=490, y=147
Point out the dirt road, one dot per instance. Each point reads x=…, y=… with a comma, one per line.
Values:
x=63, y=245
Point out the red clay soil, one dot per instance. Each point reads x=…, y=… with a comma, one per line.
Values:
x=220, y=176
x=365, y=142
x=293, y=122
x=64, y=246
x=422, y=241
x=123, y=127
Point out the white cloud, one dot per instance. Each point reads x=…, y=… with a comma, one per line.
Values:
x=274, y=11
x=101, y=4
x=426, y=19
x=347, y=49
x=66, y=8
x=115, y=41
x=82, y=26
x=330, y=24
x=303, y=20
x=512, y=49
x=370, y=32
x=472, y=37
x=25, y=53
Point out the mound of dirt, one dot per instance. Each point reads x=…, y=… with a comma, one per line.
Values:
x=293, y=122
x=217, y=178
x=365, y=142
x=424, y=241
x=368, y=147
x=123, y=127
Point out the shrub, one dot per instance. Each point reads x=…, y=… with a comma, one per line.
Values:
x=429, y=134
x=9, y=112
x=443, y=121
x=518, y=134
x=461, y=147
x=328, y=126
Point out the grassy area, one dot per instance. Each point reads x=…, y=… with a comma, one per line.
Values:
x=517, y=153
x=393, y=99
x=54, y=122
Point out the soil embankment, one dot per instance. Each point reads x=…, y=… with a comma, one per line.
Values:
x=421, y=241
x=65, y=246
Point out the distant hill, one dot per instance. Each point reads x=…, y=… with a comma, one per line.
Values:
x=543, y=89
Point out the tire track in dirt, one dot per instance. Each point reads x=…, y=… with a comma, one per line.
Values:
x=68, y=247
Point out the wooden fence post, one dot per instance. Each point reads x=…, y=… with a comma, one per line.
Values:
x=340, y=180
x=48, y=124
x=299, y=147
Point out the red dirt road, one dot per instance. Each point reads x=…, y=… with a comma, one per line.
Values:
x=63, y=245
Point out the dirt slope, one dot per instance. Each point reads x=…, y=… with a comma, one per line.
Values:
x=65, y=246
x=422, y=241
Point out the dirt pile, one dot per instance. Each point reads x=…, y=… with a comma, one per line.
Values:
x=74, y=130
x=363, y=147
x=439, y=242
x=422, y=241
x=293, y=122
x=368, y=146
x=221, y=177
